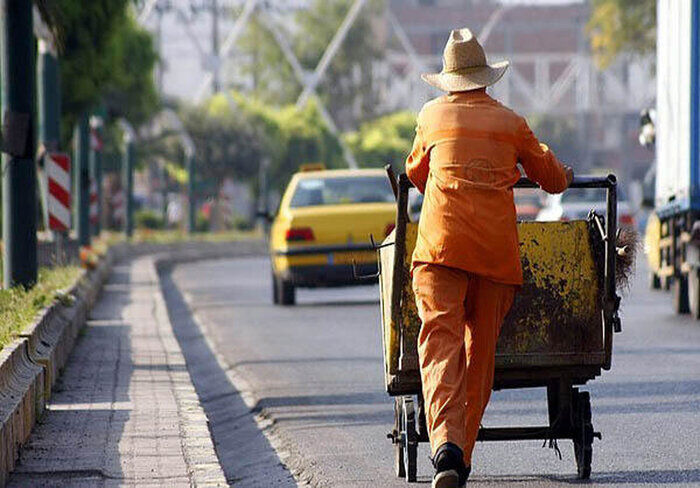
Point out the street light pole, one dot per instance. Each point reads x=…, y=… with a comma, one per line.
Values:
x=19, y=209
x=81, y=175
x=191, y=200
x=49, y=98
x=216, y=82
x=96, y=123
x=128, y=175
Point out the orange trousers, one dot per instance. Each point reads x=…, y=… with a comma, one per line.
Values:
x=461, y=316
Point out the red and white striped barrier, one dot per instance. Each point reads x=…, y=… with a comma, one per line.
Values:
x=93, y=202
x=58, y=173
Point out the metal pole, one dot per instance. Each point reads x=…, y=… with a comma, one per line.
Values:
x=81, y=175
x=128, y=168
x=159, y=43
x=191, y=200
x=49, y=98
x=18, y=168
x=164, y=193
x=216, y=82
x=96, y=170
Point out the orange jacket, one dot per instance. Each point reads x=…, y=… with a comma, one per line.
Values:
x=464, y=160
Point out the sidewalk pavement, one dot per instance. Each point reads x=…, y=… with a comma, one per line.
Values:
x=125, y=411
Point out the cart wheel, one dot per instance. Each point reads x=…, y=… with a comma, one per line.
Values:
x=409, y=438
x=399, y=466
x=583, y=433
x=654, y=281
x=694, y=293
x=680, y=295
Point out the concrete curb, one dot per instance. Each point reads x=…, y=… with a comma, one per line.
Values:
x=30, y=364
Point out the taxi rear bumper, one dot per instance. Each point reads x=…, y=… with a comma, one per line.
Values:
x=306, y=250
x=329, y=273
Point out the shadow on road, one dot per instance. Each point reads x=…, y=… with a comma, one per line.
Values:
x=244, y=452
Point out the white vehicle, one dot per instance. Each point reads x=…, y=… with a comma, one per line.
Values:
x=576, y=204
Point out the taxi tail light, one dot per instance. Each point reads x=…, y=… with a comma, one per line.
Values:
x=627, y=220
x=388, y=229
x=298, y=234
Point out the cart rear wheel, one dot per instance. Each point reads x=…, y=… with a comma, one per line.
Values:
x=583, y=433
x=409, y=437
x=399, y=466
x=680, y=295
x=694, y=293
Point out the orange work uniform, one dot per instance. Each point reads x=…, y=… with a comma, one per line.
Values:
x=466, y=264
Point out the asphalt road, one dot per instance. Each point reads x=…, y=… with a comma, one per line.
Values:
x=314, y=375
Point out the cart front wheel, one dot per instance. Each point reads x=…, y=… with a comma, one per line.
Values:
x=409, y=438
x=583, y=433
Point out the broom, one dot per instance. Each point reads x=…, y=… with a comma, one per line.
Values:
x=628, y=244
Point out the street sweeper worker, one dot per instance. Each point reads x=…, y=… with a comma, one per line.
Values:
x=466, y=264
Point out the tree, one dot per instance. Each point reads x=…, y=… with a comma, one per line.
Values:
x=619, y=26
x=559, y=133
x=387, y=139
x=291, y=136
x=228, y=145
x=271, y=77
x=130, y=91
x=105, y=57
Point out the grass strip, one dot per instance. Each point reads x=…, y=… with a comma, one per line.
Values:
x=19, y=306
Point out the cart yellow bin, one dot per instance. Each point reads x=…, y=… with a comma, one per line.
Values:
x=557, y=335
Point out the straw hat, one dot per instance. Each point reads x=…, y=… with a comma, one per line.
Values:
x=464, y=65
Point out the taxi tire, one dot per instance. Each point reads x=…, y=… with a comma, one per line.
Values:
x=286, y=293
x=275, y=290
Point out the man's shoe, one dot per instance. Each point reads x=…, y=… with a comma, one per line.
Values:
x=450, y=471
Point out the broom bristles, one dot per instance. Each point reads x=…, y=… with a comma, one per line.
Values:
x=628, y=245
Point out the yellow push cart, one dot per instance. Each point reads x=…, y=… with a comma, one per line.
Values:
x=557, y=335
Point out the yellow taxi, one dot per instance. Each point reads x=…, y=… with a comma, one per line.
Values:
x=323, y=226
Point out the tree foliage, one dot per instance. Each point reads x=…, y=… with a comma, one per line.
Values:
x=385, y=140
x=559, y=133
x=290, y=136
x=106, y=58
x=227, y=144
x=618, y=26
x=271, y=77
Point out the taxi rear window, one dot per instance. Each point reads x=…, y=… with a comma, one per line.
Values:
x=335, y=191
